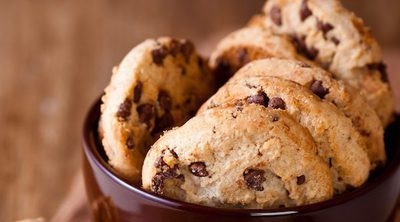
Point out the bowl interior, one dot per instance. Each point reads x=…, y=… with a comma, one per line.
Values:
x=94, y=150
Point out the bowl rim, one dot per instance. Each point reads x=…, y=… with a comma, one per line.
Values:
x=92, y=154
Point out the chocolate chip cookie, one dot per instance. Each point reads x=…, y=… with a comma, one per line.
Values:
x=245, y=156
x=321, y=83
x=246, y=45
x=338, y=141
x=325, y=32
x=158, y=85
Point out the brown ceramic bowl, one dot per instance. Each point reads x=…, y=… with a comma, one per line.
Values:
x=113, y=199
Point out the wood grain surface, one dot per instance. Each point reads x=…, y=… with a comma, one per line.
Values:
x=56, y=57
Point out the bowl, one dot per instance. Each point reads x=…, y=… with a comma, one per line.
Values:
x=114, y=199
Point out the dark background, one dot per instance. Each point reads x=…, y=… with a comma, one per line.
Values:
x=56, y=57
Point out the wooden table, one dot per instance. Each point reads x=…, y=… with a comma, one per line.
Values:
x=56, y=57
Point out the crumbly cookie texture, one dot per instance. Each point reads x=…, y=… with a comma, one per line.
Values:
x=343, y=96
x=246, y=45
x=338, y=141
x=243, y=156
x=158, y=85
x=325, y=32
x=255, y=43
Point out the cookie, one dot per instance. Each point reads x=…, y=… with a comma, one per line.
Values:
x=245, y=45
x=325, y=32
x=343, y=96
x=158, y=85
x=338, y=141
x=214, y=160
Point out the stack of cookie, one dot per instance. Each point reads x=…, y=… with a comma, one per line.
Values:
x=299, y=116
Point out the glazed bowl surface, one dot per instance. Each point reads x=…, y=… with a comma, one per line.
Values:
x=113, y=199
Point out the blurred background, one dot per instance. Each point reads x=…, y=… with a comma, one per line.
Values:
x=56, y=57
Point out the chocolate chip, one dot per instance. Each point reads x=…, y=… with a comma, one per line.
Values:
x=124, y=110
x=318, y=89
x=301, y=47
x=174, y=47
x=305, y=12
x=187, y=49
x=330, y=162
x=276, y=15
x=137, y=92
x=163, y=123
x=243, y=57
x=157, y=183
x=382, y=68
x=335, y=40
x=198, y=169
x=277, y=103
x=260, y=98
x=146, y=112
x=312, y=53
x=159, y=55
x=130, y=144
x=254, y=179
x=275, y=118
x=324, y=27
x=164, y=99
x=301, y=179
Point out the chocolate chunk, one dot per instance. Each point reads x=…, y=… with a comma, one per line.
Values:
x=166, y=170
x=318, y=89
x=174, y=47
x=137, y=92
x=146, y=112
x=157, y=183
x=275, y=118
x=381, y=67
x=198, y=169
x=305, y=12
x=163, y=123
x=260, y=98
x=164, y=99
x=254, y=179
x=187, y=49
x=301, y=179
x=324, y=27
x=335, y=40
x=312, y=53
x=276, y=15
x=243, y=57
x=301, y=47
x=130, y=144
x=277, y=103
x=159, y=55
x=124, y=110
